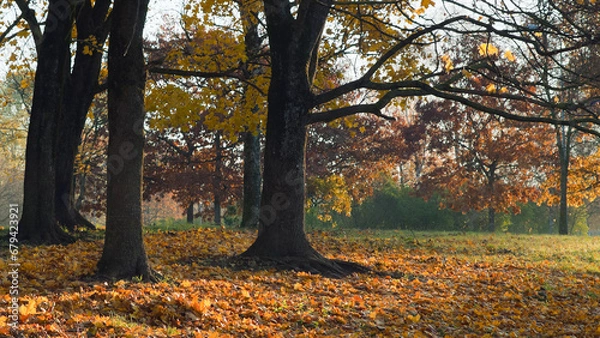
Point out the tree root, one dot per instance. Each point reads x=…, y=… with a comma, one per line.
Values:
x=330, y=268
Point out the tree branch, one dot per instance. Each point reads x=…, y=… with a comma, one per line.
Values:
x=365, y=79
x=29, y=15
x=231, y=74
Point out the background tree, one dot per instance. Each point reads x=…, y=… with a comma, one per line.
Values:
x=196, y=166
x=483, y=162
x=15, y=94
x=241, y=68
x=345, y=160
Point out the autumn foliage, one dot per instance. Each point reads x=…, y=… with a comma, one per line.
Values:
x=437, y=286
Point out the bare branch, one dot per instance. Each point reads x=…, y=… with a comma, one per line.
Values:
x=231, y=74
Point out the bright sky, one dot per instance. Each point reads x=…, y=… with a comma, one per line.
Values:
x=159, y=12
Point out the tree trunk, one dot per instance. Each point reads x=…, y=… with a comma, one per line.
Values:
x=217, y=182
x=38, y=223
x=123, y=255
x=190, y=213
x=294, y=44
x=252, y=181
x=81, y=86
x=281, y=226
x=252, y=176
x=564, y=153
x=491, y=219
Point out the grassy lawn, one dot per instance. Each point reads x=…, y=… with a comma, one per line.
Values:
x=444, y=285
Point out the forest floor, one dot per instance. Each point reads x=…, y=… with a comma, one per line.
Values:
x=443, y=285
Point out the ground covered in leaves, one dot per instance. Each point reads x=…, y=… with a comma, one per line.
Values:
x=443, y=285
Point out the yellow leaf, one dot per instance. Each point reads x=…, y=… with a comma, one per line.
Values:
x=491, y=88
x=87, y=50
x=487, y=49
x=427, y=3
x=509, y=56
x=414, y=319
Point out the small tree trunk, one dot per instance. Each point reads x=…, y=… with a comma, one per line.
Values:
x=252, y=181
x=491, y=219
x=123, y=255
x=38, y=223
x=217, y=182
x=563, y=212
x=190, y=213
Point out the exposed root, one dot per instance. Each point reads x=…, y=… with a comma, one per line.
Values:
x=329, y=268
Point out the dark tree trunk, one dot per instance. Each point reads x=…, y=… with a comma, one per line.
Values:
x=252, y=181
x=564, y=153
x=252, y=176
x=217, y=182
x=81, y=87
x=491, y=219
x=190, y=213
x=294, y=43
x=281, y=226
x=123, y=255
x=38, y=223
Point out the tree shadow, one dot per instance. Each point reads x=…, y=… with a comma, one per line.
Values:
x=329, y=268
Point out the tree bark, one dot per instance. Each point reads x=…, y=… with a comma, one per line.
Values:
x=281, y=224
x=491, y=219
x=563, y=138
x=81, y=86
x=252, y=181
x=123, y=255
x=217, y=181
x=252, y=176
x=294, y=42
x=190, y=213
x=38, y=224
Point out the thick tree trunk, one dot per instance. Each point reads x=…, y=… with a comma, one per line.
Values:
x=81, y=87
x=281, y=226
x=252, y=181
x=281, y=236
x=123, y=255
x=38, y=223
x=563, y=140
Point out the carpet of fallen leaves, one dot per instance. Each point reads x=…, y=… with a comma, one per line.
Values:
x=450, y=286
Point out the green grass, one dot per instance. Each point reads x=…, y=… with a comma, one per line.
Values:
x=570, y=253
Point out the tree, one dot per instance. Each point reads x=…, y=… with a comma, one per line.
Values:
x=38, y=222
x=62, y=96
x=195, y=166
x=483, y=162
x=341, y=170
x=14, y=95
x=123, y=254
x=295, y=33
x=241, y=68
